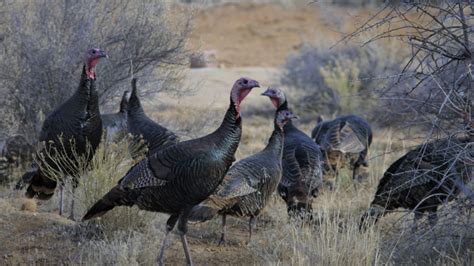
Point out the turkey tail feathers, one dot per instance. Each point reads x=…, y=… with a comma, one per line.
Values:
x=99, y=209
x=202, y=213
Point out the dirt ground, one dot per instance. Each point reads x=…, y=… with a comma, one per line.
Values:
x=248, y=34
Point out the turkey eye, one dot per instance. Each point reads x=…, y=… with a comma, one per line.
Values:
x=245, y=82
x=93, y=51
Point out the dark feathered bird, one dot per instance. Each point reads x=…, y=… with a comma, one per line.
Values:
x=156, y=137
x=424, y=178
x=347, y=136
x=302, y=163
x=73, y=129
x=248, y=185
x=115, y=125
x=175, y=179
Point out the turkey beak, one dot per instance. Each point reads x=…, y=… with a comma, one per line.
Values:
x=294, y=117
x=255, y=84
x=266, y=93
x=103, y=54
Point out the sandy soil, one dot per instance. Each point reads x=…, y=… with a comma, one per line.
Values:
x=263, y=35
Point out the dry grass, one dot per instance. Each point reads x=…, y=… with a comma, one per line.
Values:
x=111, y=162
x=127, y=236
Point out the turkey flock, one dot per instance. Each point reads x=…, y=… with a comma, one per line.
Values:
x=198, y=179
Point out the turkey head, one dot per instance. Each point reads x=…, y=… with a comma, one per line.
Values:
x=276, y=96
x=91, y=58
x=240, y=90
x=283, y=117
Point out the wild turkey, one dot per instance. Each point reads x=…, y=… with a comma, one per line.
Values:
x=424, y=178
x=115, y=125
x=73, y=129
x=156, y=137
x=346, y=136
x=248, y=185
x=175, y=179
x=302, y=169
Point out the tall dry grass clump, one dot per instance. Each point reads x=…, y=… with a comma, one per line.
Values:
x=110, y=163
x=331, y=238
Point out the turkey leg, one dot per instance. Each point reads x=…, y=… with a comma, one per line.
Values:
x=71, y=214
x=223, y=241
x=169, y=227
x=251, y=224
x=61, y=197
x=183, y=229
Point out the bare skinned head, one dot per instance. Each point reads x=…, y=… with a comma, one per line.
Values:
x=240, y=90
x=91, y=58
x=283, y=117
x=276, y=96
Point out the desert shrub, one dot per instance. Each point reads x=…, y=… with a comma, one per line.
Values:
x=338, y=80
x=41, y=52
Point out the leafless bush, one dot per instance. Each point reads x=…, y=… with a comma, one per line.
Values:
x=435, y=85
x=449, y=242
x=434, y=91
x=336, y=80
x=42, y=48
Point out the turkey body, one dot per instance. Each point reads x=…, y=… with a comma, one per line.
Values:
x=247, y=186
x=141, y=126
x=177, y=177
x=73, y=129
x=424, y=178
x=302, y=169
x=346, y=137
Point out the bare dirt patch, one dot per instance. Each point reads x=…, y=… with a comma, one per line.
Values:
x=249, y=34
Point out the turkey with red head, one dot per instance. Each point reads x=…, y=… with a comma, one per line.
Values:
x=302, y=163
x=247, y=187
x=72, y=130
x=175, y=179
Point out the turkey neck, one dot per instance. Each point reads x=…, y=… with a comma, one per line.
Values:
x=93, y=105
x=80, y=98
x=230, y=129
x=275, y=143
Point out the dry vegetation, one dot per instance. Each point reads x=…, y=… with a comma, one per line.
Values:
x=128, y=236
